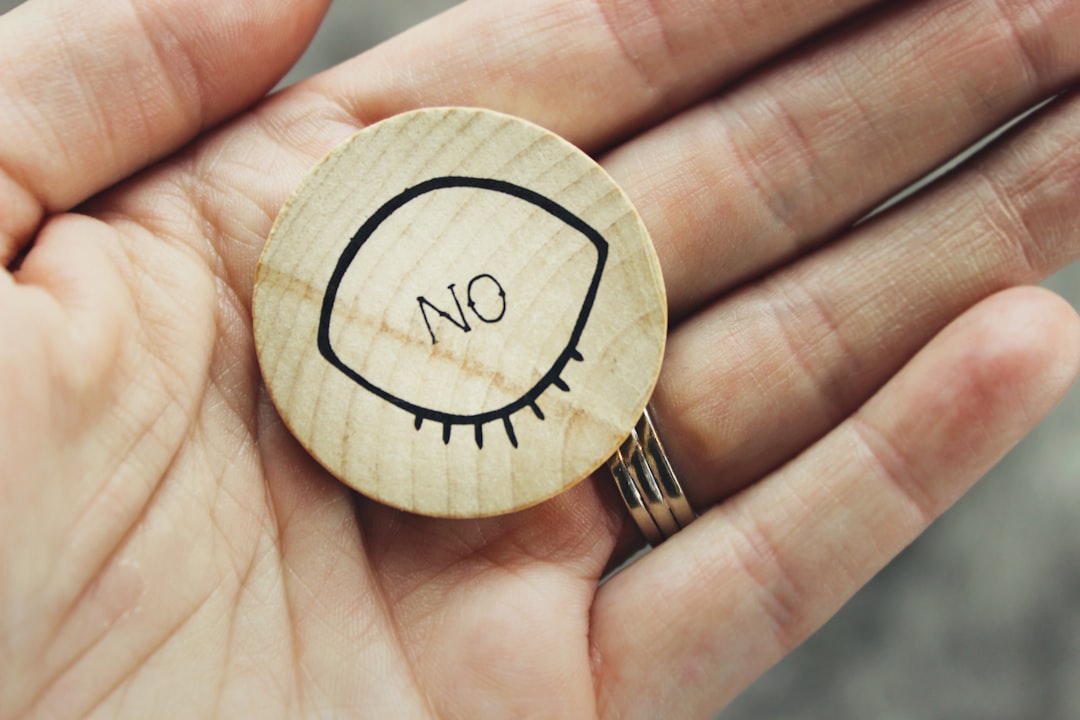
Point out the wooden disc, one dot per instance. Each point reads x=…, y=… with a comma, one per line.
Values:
x=459, y=313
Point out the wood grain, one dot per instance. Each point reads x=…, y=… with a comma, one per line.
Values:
x=459, y=313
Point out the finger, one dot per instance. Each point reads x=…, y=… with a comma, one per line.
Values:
x=751, y=579
x=761, y=375
x=94, y=91
x=643, y=60
x=815, y=142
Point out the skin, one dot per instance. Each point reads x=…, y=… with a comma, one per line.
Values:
x=167, y=549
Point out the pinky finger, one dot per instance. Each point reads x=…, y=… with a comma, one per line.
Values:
x=690, y=625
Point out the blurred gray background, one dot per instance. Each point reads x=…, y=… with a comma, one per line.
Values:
x=978, y=619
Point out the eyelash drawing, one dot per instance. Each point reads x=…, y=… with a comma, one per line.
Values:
x=552, y=377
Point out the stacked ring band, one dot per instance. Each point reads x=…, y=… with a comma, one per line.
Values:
x=647, y=484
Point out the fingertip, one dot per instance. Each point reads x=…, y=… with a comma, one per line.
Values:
x=1029, y=337
x=94, y=92
x=976, y=389
x=236, y=51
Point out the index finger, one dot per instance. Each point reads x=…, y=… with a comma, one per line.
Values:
x=593, y=72
x=590, y=71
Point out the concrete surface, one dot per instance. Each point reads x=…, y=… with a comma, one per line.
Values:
x=978, y=619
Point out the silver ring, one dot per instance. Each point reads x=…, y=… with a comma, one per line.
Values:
x=647, y=484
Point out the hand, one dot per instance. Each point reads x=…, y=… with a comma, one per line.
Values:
x=166, y=548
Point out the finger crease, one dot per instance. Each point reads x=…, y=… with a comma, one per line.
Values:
x=806, y=351
x=1030, y=63
x=892, y=465
x=170, y=52
x=634, y=59
x=762, y=186
x=1011, y=229
x=760, y=561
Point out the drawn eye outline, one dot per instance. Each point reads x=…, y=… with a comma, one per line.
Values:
x=551, y=377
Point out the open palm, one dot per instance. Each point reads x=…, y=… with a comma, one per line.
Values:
x=167, y=549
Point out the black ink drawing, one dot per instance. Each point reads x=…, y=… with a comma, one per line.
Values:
x=551, y=378
x=461, y=322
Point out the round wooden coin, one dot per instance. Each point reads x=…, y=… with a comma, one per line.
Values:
x=459, y=313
